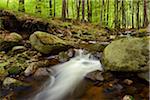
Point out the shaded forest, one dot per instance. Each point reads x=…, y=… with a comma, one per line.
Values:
x=106, y=13
x=74, y=49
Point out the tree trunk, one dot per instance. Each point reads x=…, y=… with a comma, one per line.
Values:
x=116, y=13
x=78, y=3
x=54, y=8
x=137, y=15
x=7, y=2
x=38, y=7
x=72, y=4
x=107, y=12
x=101, y=13
x=145, y=22
x=90, y=13
x=104, y=12
x=67, y=8
x=133, y=14
x=123, y=15
x=50, y=6
x=63, y=9
x=21, y=6
x=83, y=15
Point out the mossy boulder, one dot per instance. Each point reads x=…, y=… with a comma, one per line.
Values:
x=14, y=70
x=3, y=73
x=7, y=41
x=127, y=54
x=11, y=82
x=47, y=43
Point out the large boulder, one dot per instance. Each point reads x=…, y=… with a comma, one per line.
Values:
x=7, y=41
x=127, y=54
x=47, y=43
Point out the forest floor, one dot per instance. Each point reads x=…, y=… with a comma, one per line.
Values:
x=92, y=38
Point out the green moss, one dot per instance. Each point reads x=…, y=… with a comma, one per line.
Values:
x=128, y=54
x=46, y=43
x=14, y=70
x=3, y=73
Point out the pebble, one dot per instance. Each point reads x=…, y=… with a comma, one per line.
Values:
x=128, y=81
x=128, y=97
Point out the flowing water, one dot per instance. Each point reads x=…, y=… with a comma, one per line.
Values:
x=66, y=77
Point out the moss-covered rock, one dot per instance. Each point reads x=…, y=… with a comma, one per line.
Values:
x=7, y=41
x=13, y=82
x=3, y=73
x=14, y=70
x=127, y=54
x=47, y=43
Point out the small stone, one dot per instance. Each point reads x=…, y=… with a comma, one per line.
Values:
x=30, y=69
x=18, y=48
x=128, y=97
x=63, y=57
x=95, y=76
x=41, y=72
x=128, y=81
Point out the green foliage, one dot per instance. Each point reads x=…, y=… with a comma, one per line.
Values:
x=97, y=6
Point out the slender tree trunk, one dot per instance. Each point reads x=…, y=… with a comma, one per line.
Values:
x=38, y=6
x=91, y=4
x=145, y=21
x=123, y=15
x=101, y=13
x=116, y=13
x=72, y=4
x=137, y=14
x=133, y=14
x=21, y=6
x=63, y=9
x=67, y=8
x=107, y=12
x=83, y=15
x=50, y=6
x=78, y=3
x=7, y=2
x=104, y=12
x=54, y=8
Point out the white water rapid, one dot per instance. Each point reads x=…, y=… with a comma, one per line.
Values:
x=67, y=76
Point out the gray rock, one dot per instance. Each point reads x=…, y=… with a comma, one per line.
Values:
x=47, y=43
x=11, y=81
x=9, y=40
x=127, y=54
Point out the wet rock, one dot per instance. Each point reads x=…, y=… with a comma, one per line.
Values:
x=95, y=76
x=7, y=41
x=128, y=81
x=127, y=54
x=33, y=66
x=8, y=81
x=128, y=97
x=18, y=49
x=63, y=57
x=47, y=43
x=113, y=88
x=41, y=72
x=30, y=69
